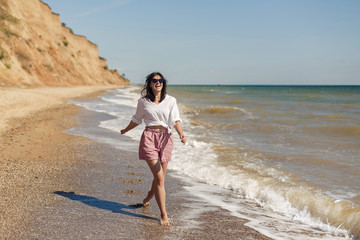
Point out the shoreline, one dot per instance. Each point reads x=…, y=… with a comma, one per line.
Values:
x=60, y=186
x=31, y=144
x=19, y=103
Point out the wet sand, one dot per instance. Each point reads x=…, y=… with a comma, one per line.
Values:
x=59, y=186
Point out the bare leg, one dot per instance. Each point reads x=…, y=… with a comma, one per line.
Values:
x=159, y=188
x=151, y=191
x=150, y=195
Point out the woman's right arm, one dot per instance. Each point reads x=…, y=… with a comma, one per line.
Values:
x=129, y=127
x=136, y=119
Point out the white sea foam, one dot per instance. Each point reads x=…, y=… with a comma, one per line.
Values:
x=272, y=224
x=199, y=162
x=119, y=105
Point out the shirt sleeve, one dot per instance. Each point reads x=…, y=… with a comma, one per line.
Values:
x=139, y=115
x=174, y=115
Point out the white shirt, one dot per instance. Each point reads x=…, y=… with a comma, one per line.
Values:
x=165, y=114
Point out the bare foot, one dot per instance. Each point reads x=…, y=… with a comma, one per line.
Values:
x=146, y=201
x=165, y=221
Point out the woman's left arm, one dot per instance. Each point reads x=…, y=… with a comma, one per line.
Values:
x=179, y=130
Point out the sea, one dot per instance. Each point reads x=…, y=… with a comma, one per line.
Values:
x=289, y=155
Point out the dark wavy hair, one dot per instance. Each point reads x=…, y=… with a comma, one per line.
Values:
x=147, y=91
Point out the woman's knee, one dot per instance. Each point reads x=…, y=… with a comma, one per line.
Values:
x=157, y=171
x=159, y=179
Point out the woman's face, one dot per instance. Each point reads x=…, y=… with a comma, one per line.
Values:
x=156, y=87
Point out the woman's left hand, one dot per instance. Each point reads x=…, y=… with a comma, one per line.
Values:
x=183, y=139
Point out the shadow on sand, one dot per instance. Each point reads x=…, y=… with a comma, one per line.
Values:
x=105, y=205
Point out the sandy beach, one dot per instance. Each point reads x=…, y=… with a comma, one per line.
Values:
x=60, y=186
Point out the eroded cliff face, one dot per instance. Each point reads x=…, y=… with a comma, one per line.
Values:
x=37, y=50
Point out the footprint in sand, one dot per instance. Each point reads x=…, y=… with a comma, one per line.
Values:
x=135, y=174
x=130, y=166
x=131, y=191
x=132, y=181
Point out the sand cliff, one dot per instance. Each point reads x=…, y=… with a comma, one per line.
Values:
x=36, y=49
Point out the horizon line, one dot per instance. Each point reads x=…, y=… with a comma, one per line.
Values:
x=265, y=85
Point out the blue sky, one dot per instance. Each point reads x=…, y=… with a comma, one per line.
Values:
x=223, y=42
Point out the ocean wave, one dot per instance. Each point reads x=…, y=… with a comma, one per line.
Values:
x=332, y=116
x=269, y=187
x=202, y=123
x=214, y=110
x=223, y=109
x=235, y=102
x=336, y=130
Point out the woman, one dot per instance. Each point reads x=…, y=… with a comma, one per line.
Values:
x=160, y=113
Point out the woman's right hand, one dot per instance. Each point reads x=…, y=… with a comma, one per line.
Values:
x=129, y=127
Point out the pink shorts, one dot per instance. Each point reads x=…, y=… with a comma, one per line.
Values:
x=156, y=144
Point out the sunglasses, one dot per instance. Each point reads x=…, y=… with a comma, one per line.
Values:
x=156, y=80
